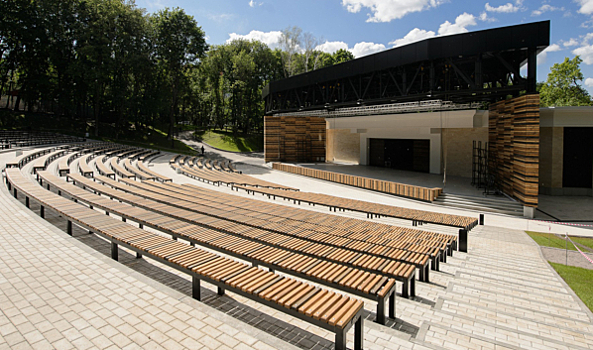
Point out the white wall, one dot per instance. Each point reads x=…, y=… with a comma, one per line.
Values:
x=416, y=126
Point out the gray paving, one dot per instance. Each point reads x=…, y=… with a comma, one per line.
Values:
x=58, y=291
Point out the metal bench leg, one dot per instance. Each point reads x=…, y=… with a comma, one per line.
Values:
x=405, y=288
x=220, y=291
x=140, y=226
x=42, y=212
x=123, y=219
x=138, y=255
x=27, y=202
x=426, y=274
x=195, y=288
x=15, y=194
x=421, y=275
x=392, y=305
x=340, y=340
x=114, y=251
x=358, y=336
x=412, y=287
x=69, y=228
x=381, y=311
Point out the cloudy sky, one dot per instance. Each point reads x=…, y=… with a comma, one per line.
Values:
x=368, y=26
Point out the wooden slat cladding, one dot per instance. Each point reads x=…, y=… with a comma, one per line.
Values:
x=513, y=134
x=399, y=189
x=294, y=139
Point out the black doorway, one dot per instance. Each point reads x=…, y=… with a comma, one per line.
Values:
x=577, y=168
x=412, y=155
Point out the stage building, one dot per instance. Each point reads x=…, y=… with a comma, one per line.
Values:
x=431, y=107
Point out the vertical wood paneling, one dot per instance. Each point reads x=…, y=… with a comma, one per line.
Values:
x=294, y=139
x=513, y=135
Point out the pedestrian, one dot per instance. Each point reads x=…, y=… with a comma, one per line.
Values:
x=202, y=149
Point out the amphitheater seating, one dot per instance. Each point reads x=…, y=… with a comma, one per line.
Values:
x=102, y=168
x=326, y=309
x=157, y=176
x=137, y=171
x=399, y=189
x=84, y=167
x=119, y=170
x=371, y=209
x=317, y=270
x=218, y=220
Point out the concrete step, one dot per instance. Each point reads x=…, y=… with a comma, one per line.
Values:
x=479, y=208
x=482, y=202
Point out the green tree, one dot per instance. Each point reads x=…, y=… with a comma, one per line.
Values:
x=342, y=55
x=179, y=43
x=563, y=88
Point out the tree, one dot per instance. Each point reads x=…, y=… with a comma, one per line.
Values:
x=290, y=43
x=563, y=88
x=342, y=56
x=179, y=43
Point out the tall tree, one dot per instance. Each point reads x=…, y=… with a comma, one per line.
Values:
x=563, y=86
x=179, y=43
x=290, y=43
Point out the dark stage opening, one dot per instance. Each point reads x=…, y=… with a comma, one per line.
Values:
x=412, y=155
x=577, y=169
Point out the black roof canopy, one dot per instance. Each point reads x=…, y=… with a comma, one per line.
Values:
x=474, y=66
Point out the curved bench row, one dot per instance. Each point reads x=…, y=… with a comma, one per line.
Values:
x=372, y=286
x=323, y=308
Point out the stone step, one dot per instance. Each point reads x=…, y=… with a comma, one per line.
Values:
x=583, y=334
x=487, y=297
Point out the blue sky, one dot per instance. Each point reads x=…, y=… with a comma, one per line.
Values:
x=367, y=26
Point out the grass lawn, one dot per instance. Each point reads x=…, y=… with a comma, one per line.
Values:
x=580, y=281
x=551, y=240
x=224, y=140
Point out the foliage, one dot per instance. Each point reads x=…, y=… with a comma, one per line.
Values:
x=108, y=62
x=579, y=280
x=563, y=87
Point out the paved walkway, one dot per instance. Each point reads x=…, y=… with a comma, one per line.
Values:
x=63, y=292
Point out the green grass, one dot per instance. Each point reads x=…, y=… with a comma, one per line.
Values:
x=224, y=140
x=580, y=281
x=551, y=240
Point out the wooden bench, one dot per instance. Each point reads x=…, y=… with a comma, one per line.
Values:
x=63, y=166
x=329, y=310
x=174, y=159
x=120, y=170
x=158, y=176
x=84, y=167
x=136, y=171
x=371, y=209
x=42, y=162
x=232, y=168
x=316, y=270
x=222, y=220
x=102, y=168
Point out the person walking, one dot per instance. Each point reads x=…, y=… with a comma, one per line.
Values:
x=202, y=149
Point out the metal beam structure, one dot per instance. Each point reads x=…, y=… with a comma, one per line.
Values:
x=478, y=66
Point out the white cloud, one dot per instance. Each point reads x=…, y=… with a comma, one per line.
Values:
x=221, y=17
x=586, y=53
x=388, y=10
x=506, y=8
x=332, y=46
x=413, y=36
x=461, y=22
x=546, y=8
x=543, y=56
x=586, y=6
x=484, y=17
x=366, y=48
x=571, y=42
x=269, y=38
x=253, y=3
x=589, y=82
